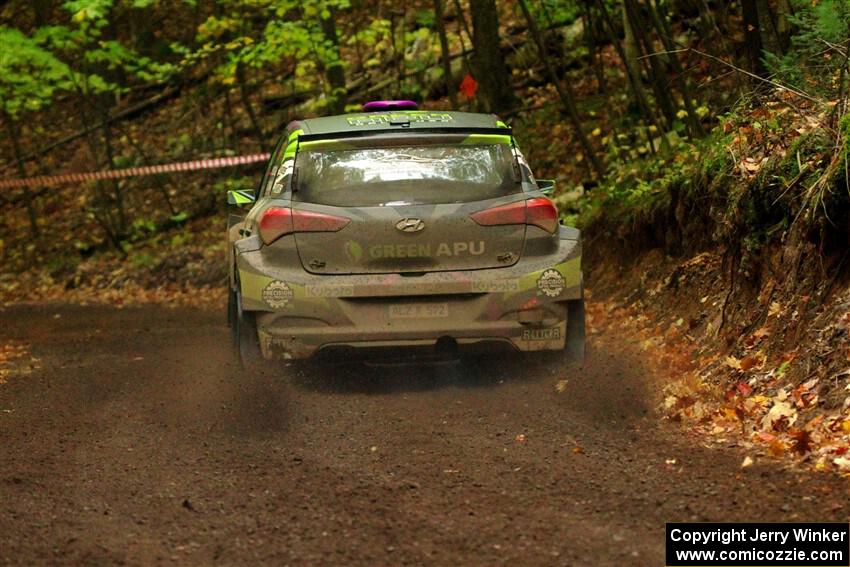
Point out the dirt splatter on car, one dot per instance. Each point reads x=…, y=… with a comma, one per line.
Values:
x=401, y=232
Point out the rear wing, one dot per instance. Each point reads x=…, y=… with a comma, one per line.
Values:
x=505, y=133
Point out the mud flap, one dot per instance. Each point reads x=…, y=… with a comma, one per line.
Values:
x=247, y=341
x=575, y=347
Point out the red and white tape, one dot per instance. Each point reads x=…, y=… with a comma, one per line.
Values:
x=47, y=180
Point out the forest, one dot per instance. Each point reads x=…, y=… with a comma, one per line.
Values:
x=700, y=145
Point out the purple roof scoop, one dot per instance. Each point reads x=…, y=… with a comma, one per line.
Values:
x=379, y=105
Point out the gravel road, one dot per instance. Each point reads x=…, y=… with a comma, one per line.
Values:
x=139, y=440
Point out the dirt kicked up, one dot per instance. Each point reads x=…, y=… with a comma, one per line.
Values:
x=137, y=440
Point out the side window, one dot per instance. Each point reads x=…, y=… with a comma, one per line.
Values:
x=279, y=182
x=282, y=176
x=271, y=170
x=524, y=167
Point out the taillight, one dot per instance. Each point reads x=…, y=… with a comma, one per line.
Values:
x=276, y=222
x=542, y=212
x=539, y=212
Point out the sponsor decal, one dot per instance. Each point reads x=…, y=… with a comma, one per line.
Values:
x=353, y=251
x=552, y=334
x=277, y=294
x=495, y=286
x=551, y=283
x=387, y=118
x=329, y=291
x=471, y=248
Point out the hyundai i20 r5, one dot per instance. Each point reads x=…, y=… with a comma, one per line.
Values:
x=401, y=233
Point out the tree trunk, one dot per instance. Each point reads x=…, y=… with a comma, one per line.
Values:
x=592, y=42
x=101, y=211
x=246, y=102
x=767, y=28
x=752, y=37
x=664, y=33
x=12, y=132
x=446, y=56
x=784, y=29
x=461, y=16
x=42, y=9
x=334, y=71
x=567, y=98
x=118, y=194
x=634, y=79
x=631, y=50
x=656, y=71
x=493, y=75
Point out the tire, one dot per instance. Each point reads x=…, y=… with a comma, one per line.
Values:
x=246, y=338
x=574, y=350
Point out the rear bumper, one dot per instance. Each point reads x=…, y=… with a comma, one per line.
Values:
x=302, y=315
x=386, y=337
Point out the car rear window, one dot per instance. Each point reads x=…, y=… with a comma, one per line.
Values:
x=387, y=176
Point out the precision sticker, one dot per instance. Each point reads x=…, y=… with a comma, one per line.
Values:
x=277, y=294
x=551, y=283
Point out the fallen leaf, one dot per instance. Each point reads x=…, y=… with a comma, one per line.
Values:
x=748, y=462
x=802, y=441
x=744, y=389
x=781, y=411
x=561, y=386
x=748, y=362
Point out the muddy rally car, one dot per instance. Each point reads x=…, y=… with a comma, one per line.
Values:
x=397, y=233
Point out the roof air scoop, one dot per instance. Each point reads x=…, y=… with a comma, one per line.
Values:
x=382, y=105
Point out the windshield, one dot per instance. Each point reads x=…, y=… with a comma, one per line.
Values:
x=405, y=175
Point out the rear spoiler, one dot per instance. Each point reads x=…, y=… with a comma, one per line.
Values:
x=405, y=131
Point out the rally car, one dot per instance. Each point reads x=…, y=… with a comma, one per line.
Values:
x=397, y=232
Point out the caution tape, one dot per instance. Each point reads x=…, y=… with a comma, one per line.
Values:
x=213, y=163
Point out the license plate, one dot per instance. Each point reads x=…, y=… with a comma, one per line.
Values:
x=419, y=310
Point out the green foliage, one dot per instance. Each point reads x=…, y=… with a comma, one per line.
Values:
x=30, y=75
x=556, y=12
x=234, y=39
x=93, y=62
x=817, y=49
x=232, y=184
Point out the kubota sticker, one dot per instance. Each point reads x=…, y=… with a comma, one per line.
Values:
x=495, y=286
x=342, y=290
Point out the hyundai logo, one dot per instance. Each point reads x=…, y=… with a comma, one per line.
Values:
x=410, y=225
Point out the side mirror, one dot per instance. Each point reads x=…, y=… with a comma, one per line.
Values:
x=241, y=198
x=546, y=186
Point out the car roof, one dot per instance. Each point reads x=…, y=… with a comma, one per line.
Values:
x=398, y=121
